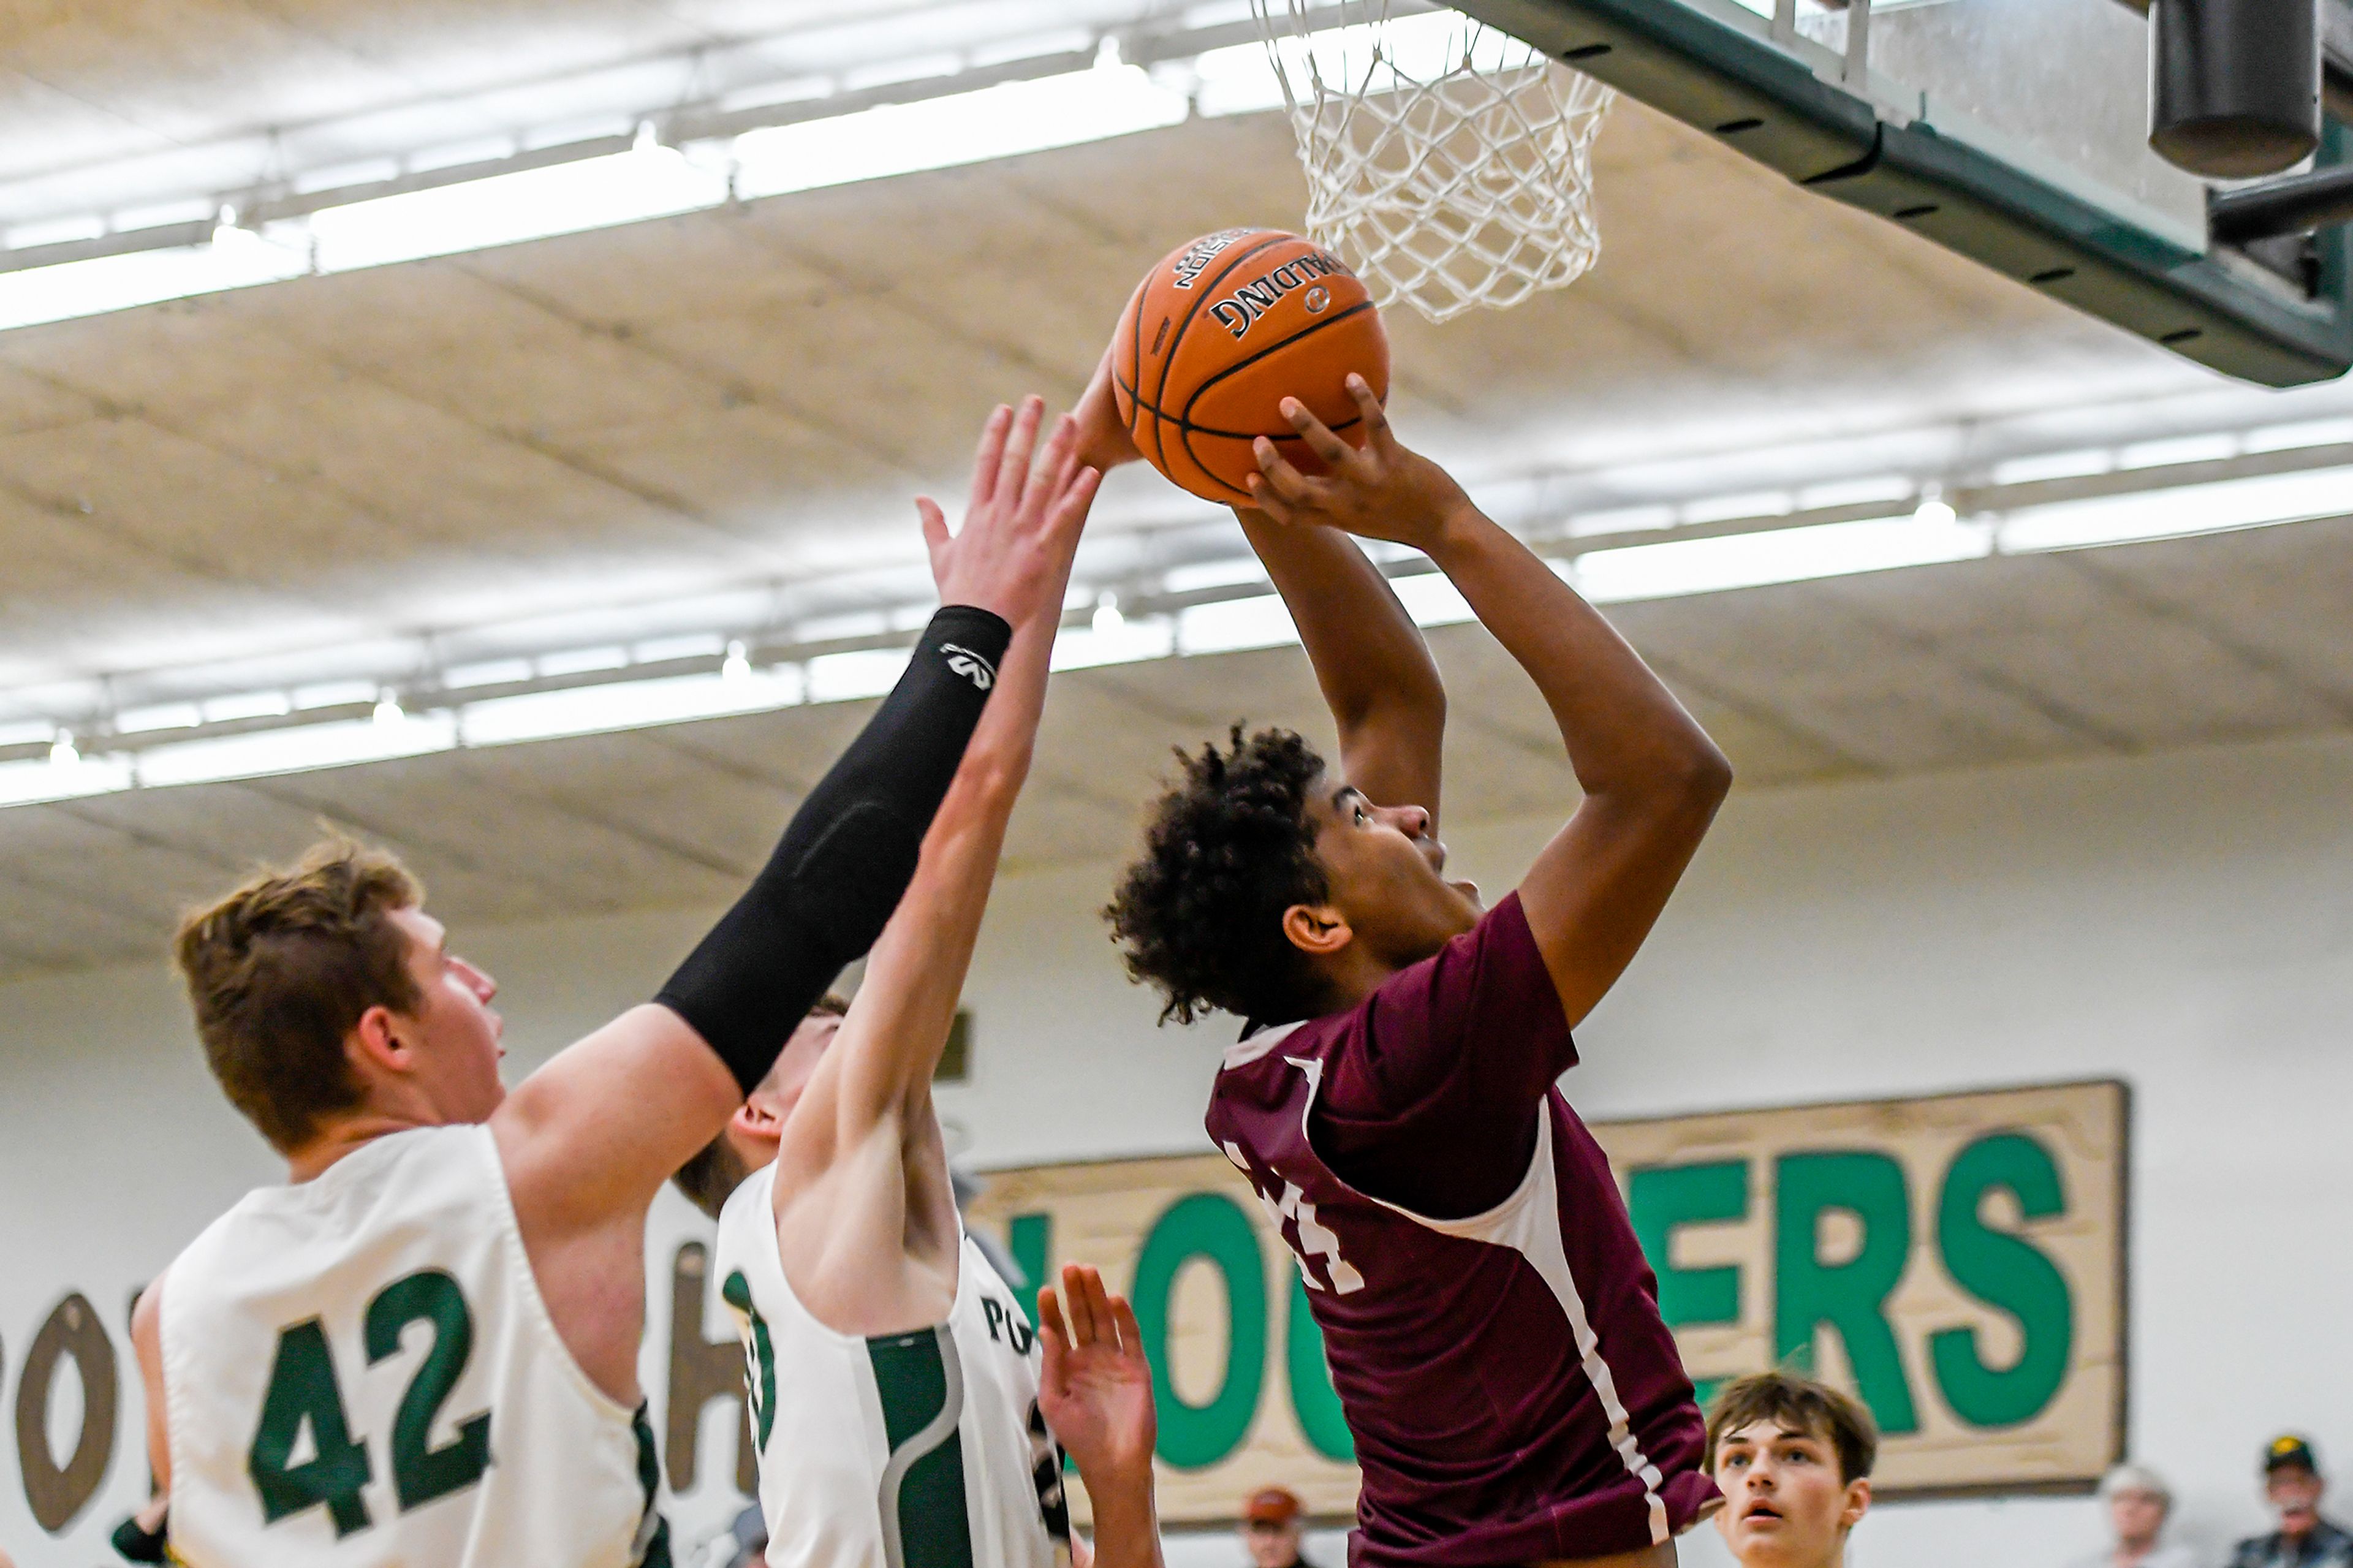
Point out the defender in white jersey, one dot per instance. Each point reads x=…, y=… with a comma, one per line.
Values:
x=421, y=1350
x=905, y=1413
x=915, y=1450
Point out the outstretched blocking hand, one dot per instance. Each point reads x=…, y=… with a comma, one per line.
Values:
x=1022, y=523
x=1096, y=1389
x=1380, y=491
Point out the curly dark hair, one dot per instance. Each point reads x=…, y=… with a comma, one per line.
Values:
x=1229, y=848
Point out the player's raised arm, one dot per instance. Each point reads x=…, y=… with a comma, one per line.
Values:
x=1652, y=778
x=1370, y=660
x=881, y=1066
x=597, y=1130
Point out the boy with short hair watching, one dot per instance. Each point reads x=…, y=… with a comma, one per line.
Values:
x=1793, y=1458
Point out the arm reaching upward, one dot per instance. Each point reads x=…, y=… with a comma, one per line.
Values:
x=862, y=1184
x=1375, y=671
x=1652, y=778
x=589, y=1139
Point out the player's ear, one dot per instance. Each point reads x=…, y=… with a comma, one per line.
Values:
x=761, y=1118
x=1858, y=1502
x=1317, y=929
x=378, y=1040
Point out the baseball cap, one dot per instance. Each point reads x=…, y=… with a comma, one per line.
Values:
x=2286, y=1449
x=1271, y=1505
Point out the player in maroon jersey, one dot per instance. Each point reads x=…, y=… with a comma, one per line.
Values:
x=1492, y=1328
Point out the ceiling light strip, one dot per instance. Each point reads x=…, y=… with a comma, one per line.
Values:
x=1220, y=618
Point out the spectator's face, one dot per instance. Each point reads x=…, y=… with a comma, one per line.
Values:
x=1785, y=1506
x=2295, y=1493
x=1272, y=1546
x=2138, y=1517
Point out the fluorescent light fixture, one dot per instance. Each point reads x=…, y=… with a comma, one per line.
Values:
x=489, y=672
x=333, y=693
x=234, y=259
x=1234, y=624
x=2180, y=511
x=960, y=128
x=246, y=705
x=1432, y=600
x=2074, y=465
x=564, y=198
x=1725, y=509
x=30, y=784
x=297, y=750
x=1229, y=573
x=2176, y=449
x=2304, y=433
x=159, y=716
x=846, y=677
x=1777, y=555
x=627, y=705
x=1131, y=641
x=1620, y=519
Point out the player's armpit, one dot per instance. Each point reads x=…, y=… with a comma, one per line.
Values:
x=593, y=1135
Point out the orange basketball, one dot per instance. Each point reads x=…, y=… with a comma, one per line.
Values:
x=1220, y=332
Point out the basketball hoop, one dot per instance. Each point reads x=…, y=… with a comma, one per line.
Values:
x=1450, y=165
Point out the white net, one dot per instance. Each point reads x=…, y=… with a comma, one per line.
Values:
x=1449, y=164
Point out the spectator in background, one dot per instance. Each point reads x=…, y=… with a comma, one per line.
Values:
x=2304, y=1539
x=2138, y=1501
x=1270, y=1529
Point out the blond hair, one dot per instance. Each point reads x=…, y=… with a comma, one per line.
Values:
x=278, y=973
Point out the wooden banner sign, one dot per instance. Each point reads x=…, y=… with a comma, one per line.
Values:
x=1958, y=1261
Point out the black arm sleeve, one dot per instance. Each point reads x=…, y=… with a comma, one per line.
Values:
x=850, y=850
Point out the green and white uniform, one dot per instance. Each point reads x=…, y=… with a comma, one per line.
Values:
x=915, y=1451
x=359, y=1372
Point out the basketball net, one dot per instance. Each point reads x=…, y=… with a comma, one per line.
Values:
x=1450, y=165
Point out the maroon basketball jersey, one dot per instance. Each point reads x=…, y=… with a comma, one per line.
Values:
x=1512, y=1390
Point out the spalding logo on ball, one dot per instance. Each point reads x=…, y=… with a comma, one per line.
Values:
x=1223, y=330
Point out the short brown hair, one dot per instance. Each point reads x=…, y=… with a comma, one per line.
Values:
x=1801, y=1404
x=280, y=972
x=716, y=1170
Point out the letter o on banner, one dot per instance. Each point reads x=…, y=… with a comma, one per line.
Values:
x=1212, y=1228
x=58, y=1492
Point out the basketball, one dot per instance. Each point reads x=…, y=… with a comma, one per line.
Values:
x=1219, y=332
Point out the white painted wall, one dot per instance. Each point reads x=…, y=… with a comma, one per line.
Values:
x=2184, y=921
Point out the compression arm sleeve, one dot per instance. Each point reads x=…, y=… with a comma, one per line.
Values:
x=850, y=851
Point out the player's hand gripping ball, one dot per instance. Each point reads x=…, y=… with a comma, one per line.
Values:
x=1219, y=333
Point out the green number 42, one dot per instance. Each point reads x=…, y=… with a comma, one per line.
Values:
x=304, y=1391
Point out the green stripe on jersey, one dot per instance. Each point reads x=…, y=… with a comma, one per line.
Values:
x=925, y=1520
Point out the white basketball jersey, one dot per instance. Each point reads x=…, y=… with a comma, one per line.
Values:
x=359, y=1372
x=915, y=1450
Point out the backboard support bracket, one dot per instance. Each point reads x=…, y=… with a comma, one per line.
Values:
x=1763, y=100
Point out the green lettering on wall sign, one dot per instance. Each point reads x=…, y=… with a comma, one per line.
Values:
x=1029, y=1238
x=2004, y=1271
x=1851, y=1296
x=1662, y=1197
x=1212, y=1228
x=1312, y=1399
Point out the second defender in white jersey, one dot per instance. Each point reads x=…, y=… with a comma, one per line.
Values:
x=913, y=1449
x=903, y=1405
